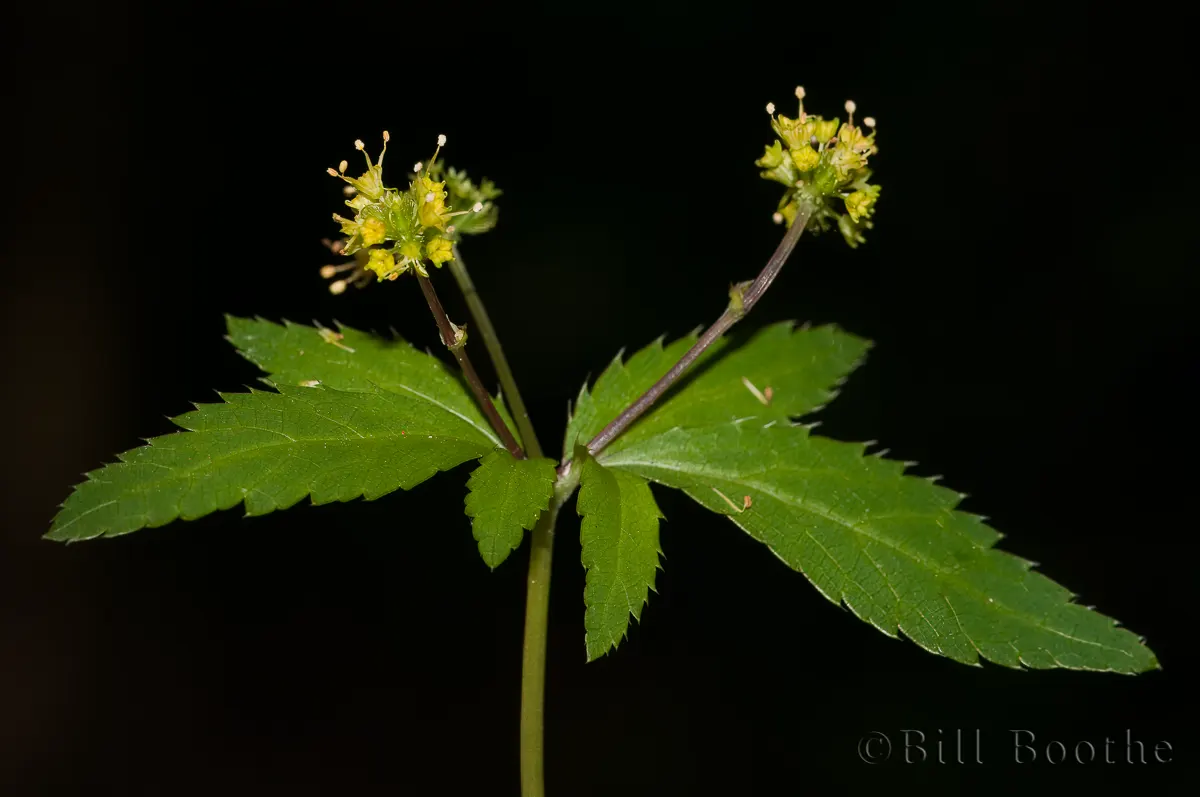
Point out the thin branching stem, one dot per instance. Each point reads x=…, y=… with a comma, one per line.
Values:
x=483, y=325
x=459, y=350
x=734, y=313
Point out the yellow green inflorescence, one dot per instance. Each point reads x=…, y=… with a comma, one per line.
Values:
x=394, y=231
x=823, y=164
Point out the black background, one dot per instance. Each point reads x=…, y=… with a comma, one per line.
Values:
x=1029, y=287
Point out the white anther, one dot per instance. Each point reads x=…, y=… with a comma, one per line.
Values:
x=418, y=166
x=799, y=92
x=386, y=136
x=328, y=271
x=777, y=217
x=429, y=197
x=441, y=141
x=342, y=167
x=869, y=121
x=478, y=206
x=337, y=287
x=358, y=143
x=770, y=107
x=850, y=106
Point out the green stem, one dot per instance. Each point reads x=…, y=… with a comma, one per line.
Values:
x=483, y=324
x=541, y=552
x=533, y=666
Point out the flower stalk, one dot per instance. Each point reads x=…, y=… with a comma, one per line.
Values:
x=742, y=299
x=455, y=338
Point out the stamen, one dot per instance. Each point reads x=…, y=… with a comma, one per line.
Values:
x=328, y=272
x=850, y=109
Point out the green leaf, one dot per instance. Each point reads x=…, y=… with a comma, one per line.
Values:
x=800, y=368
x=619, y=533
x=506, y=497
x=889, y=546
x=270, y=450
x=294, y=354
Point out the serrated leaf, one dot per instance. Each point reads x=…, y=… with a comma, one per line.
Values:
x=888, y=546
x=505, y=498
x=619, y=532
x=796, y=370
x=294, y=354
x=269, y=450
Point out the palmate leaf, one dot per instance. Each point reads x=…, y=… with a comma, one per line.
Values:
x=619, y=532
x=270, y=450
x=794, y=371
x=294, y=354
x=797, y=370
x=505, y=498
x=889, y=546
x=370, y=416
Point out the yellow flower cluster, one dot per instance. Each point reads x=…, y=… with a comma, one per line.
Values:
x=394, y=231
x=823, y=164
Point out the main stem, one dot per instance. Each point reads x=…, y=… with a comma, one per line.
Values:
x=742, y=302
x=459, y=349
x=533, y=656
x=541, y=553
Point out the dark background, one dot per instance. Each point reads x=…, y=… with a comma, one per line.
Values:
x=1029, y=285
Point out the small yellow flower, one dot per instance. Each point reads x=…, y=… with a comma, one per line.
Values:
x=432, y=211
x=861, y=204
x=853, y=138
x=794, y=132
x=772, y=157
x=370, y=184
x=438, y=251
x=805, y=158
x=373, y=232
x=384, y=264
x=824, y=129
